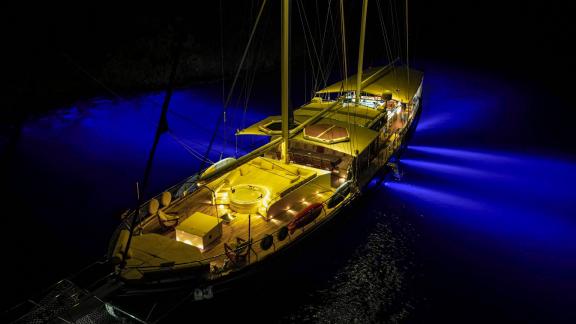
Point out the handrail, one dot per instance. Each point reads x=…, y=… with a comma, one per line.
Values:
x=205, y=261
x=387, y=149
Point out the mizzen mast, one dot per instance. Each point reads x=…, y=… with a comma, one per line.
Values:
x=284, y=71
x=361, y=50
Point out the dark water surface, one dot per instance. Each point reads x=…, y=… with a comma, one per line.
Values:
x=480, y=229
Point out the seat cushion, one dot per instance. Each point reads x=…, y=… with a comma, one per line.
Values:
x=167, y=217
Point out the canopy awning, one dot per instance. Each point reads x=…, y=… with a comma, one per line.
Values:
x=348, y=113
x=260, y=128
x=359, y=137
x=326, y=133
x=393, y=81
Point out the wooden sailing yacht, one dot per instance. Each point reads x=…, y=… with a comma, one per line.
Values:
x=216, y=226
x=240, y=212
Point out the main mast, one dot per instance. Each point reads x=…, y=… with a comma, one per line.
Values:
x=284, y=71
x=361, y=50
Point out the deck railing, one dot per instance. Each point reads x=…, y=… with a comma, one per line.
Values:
x=257, y=250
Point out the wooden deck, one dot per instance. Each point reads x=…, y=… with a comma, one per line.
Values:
x=289, y=196
x=296, y=195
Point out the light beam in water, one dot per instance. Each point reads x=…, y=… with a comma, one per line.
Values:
x=455, y=153
x=503, y=194
x=448, y=169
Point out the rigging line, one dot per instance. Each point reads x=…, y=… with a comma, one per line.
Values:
x=113, y=92
x=316, y=53
x=243, y=86
x=386, y=38
x=219, y=120
x=250, y=71
x=335, y=53
x=392, y=38
x=343, y=37
x=305, y=85
x=250, y=74
x=323, y=38
x=255, y=59
x=383, y=32
x=317, y=16
x=407, y=56
x=395, y=35
x=187, y=143
x=308, y=51
x=344, y=59
x=397, y=26
x=247, y=95
x=185, y=118
x=303, y=14
x=254, y=62
x=329, y=61
x=314, y=73
x=81, y=69
x=333, y=56
x=172, y=135
x=110, y=90
x=247, y=75
x=305, y=89
x=189, y=120
x=188, y=148
x=222, y=68
x=336, y=43
x=162, y=127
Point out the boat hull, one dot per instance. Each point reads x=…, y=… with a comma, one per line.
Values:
x=204, y=291
x=273, y=271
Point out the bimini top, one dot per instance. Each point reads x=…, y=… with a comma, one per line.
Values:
x=268, y=126
x=354, y=139
x=326, y=133
x=346, y=113
x=380, y=81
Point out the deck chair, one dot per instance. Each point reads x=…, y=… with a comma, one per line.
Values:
x=237, y=255
x=166, y=219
